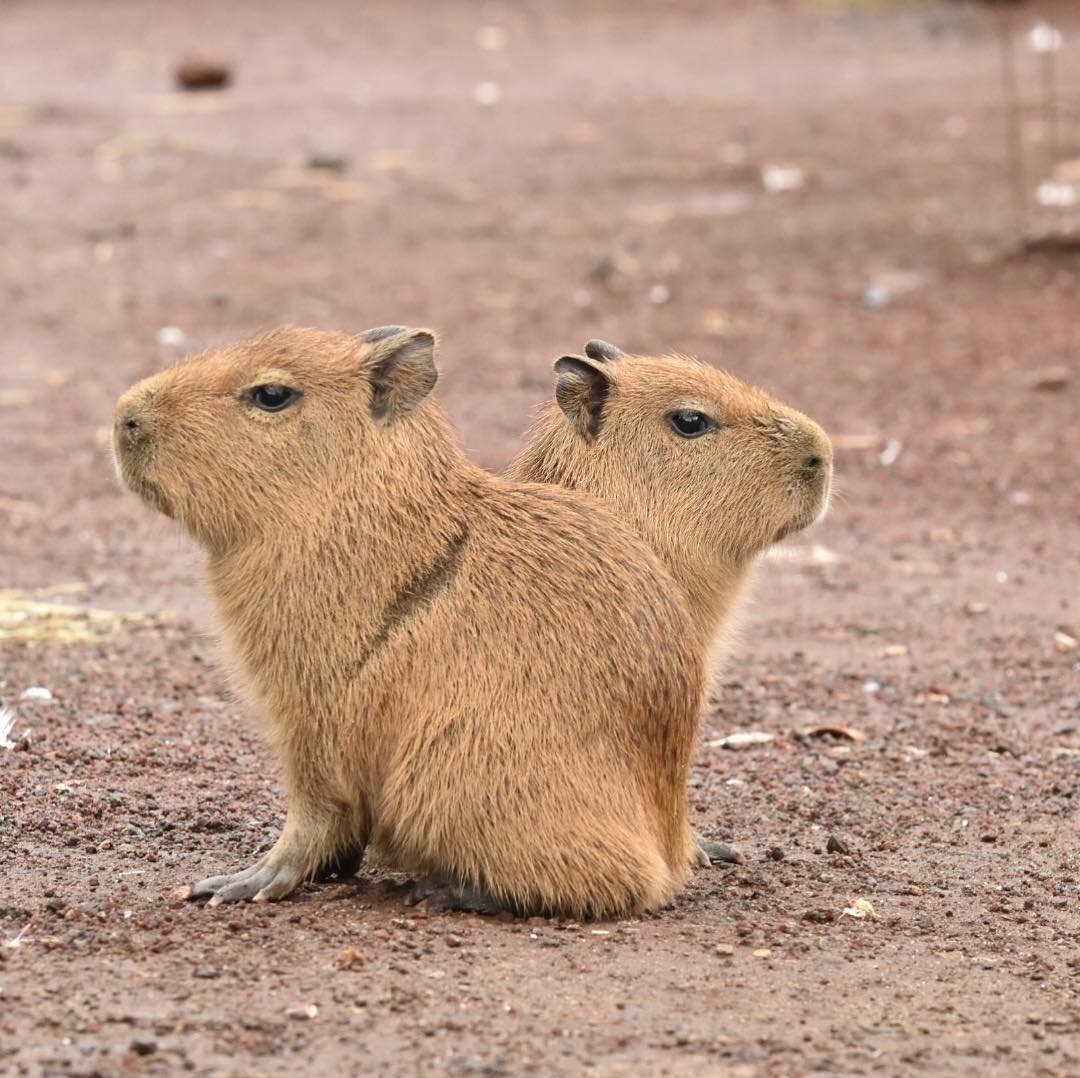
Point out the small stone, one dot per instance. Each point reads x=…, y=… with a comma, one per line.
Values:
x=195, y=74
x=837, y=845
x=774, y=853
x=1049, y=379
x=819, y=916
x=1063, y=642
x=143, y=1046
x=779, y=178
x=302, y=1012
x=171, y=335
x=36, y=693
x=876, y=296
x=328, y=161
x=206, y=973
x=724, y=950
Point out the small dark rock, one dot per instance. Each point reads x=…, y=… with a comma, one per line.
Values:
x=329, y=162
x=203, y=75
x=143, y=1046
x=774, y=853
x=837, y=845
x=819, y=916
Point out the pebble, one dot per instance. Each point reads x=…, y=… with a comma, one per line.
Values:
x=327, y=161
x=36, y=692
x=143, y=1046
x=837, y=845
x=197, y=74
x=170, y=335
x=1049, y=379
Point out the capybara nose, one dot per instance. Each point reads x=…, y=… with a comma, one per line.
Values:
x=813, y=463
x=130, y=428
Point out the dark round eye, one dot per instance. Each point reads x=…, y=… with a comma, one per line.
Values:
x=272, y=398
x=687, y=423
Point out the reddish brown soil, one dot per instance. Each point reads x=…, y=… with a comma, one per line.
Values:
x=128, y=207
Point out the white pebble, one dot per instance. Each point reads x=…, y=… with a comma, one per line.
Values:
x=172, y=335
x=36, y=692
x=659, y=293
x=777, y=178
x=1045, y=38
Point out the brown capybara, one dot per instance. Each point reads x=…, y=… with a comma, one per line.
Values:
x=492, y=684
x=709, y=470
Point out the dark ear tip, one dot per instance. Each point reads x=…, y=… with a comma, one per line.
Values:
x=380, y=333
x=570, y=364
x=603, y=351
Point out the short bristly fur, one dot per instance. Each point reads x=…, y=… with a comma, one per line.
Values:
x=494, y=684
x=710, y=505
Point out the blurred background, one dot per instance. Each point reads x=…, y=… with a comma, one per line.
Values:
x=870, y=208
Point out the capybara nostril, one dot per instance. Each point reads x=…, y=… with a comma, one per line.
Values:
x=132, y=425
x=812, y=463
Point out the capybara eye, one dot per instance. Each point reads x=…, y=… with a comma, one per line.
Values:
x=687, y=423
x=272, y=398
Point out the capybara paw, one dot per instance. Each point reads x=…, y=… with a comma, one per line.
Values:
x=449, y=896
x=711, y=853
x=260, y=883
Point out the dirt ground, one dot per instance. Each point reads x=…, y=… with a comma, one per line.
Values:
x=582, y=169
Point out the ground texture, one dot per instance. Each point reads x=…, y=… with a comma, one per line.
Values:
x=586, y=169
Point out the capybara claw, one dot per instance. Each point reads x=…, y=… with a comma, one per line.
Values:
x=260, y=883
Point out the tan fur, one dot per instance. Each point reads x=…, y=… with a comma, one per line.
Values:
x=708, y=506
x=491, y=682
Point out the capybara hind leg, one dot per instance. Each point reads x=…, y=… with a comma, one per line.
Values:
x=451, y=896
x=711, y=853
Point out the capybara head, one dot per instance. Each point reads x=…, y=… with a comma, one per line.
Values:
x=239, y=440
x=710, y=470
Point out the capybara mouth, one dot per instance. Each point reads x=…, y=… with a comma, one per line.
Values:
x=132, y=478
x=153, y=495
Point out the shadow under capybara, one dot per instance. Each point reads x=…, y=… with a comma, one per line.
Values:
x=489, y=683
x=709, y=470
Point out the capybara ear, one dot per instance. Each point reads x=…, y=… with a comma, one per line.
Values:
x=581, y=392
x=370, y=336
x=603, y=352
x=401, y=369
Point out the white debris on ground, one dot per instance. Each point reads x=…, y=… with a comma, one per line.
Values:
x=7, y=725
x=742, y=739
